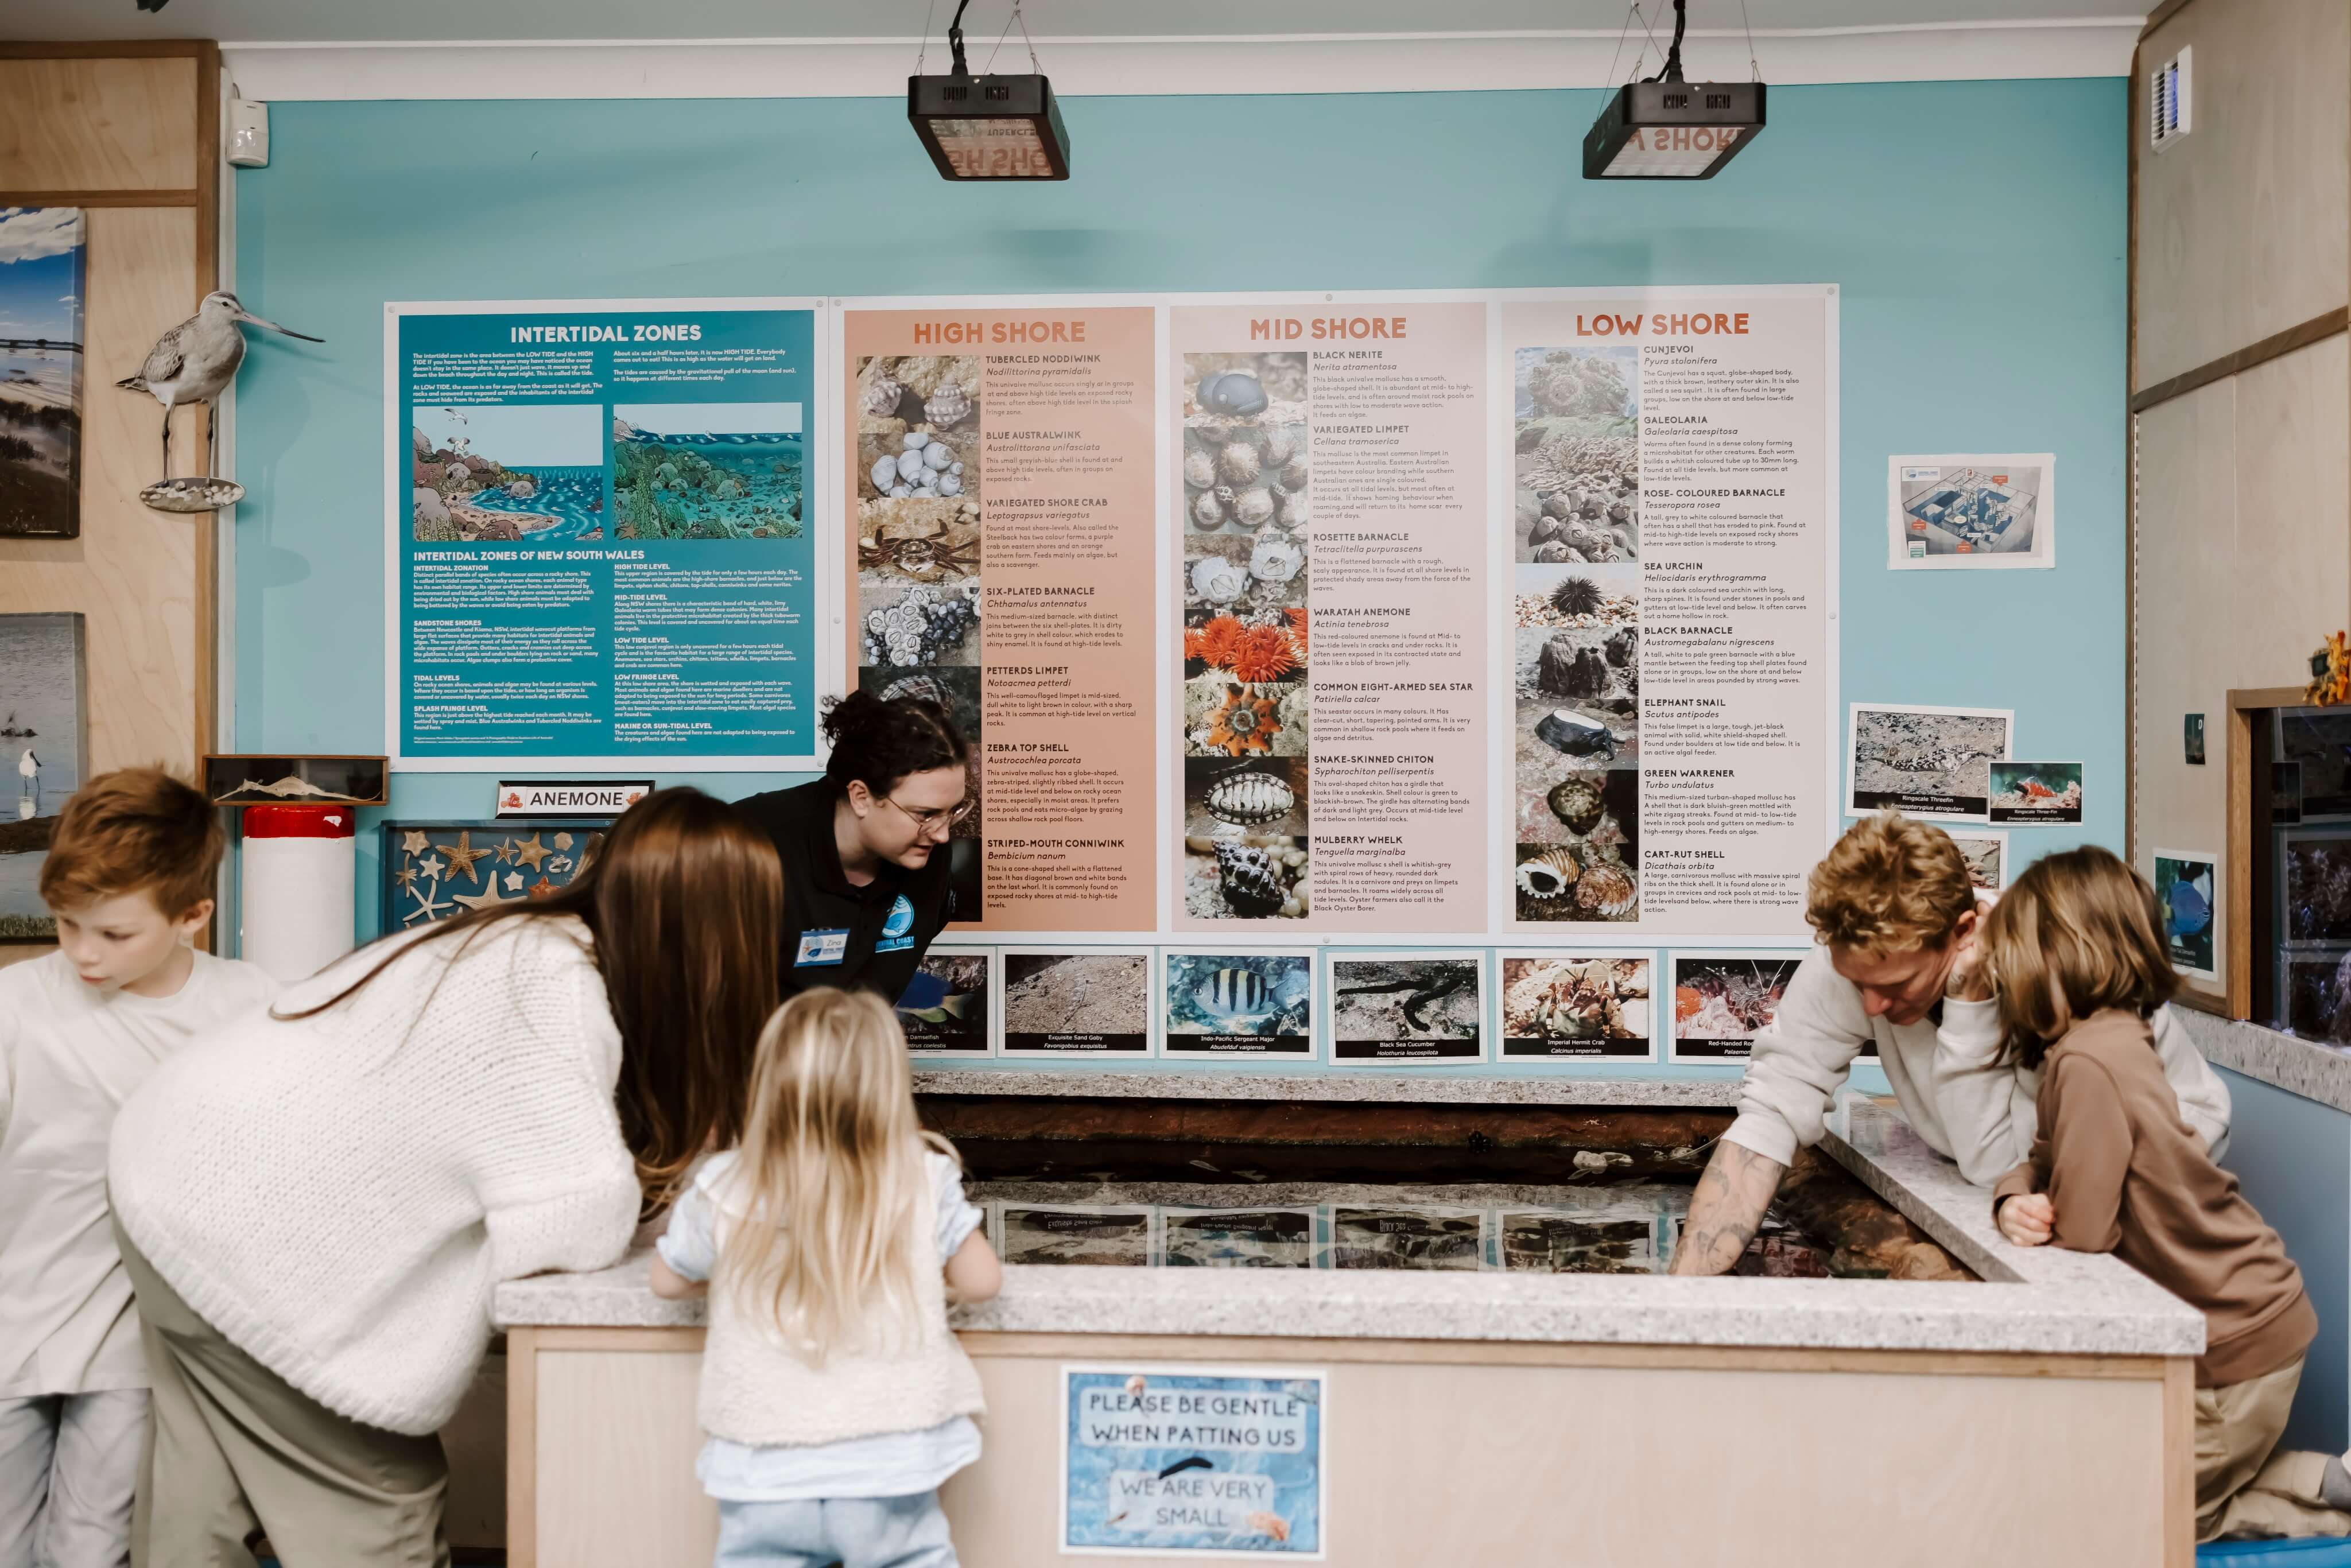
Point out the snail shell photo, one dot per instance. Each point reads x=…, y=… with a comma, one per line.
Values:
x=1249, y=799
x=1234, y=393
x=1238, y=464
x=1253, y=509
x=882, y=395
x=1549, y=876
x=1199, y=470
x=1208, y=512
x=1217, y=580
x=1606, y=890
x=1576, y=802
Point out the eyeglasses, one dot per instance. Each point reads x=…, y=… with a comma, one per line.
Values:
x=931, y=821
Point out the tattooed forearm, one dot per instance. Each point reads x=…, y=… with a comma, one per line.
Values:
x=1725, y=1209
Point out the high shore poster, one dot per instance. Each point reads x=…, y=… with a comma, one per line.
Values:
x=998, y=463
x=601, y=545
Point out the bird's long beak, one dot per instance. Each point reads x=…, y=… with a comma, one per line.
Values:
x=243, y=315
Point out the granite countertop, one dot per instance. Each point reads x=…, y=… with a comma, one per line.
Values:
x=2033, y=1300
x=1404, y=1086
x=2305, y=1067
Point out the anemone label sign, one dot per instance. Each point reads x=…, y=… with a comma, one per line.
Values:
x=569, y=796
x=1188, y=1460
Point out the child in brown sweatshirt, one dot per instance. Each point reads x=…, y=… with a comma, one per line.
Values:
x=2074, y=951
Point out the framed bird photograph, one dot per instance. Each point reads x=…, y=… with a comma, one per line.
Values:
x=438, y=871
x=41, y=273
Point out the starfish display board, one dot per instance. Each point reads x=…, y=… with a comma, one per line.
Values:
x=436, y=871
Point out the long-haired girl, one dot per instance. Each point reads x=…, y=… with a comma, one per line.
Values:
x=2075, y=950
x=835, y=1398
x=316, y=1203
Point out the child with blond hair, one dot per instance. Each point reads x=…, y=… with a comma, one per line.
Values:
x=128, y=877
x=835, y=1400
x=2075, y=949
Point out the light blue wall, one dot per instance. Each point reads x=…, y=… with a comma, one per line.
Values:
x=2292, y=1158
x=1976, y=231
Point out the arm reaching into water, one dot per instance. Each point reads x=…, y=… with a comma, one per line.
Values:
x=1728, y=1206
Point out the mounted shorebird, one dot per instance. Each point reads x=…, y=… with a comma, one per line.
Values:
x=195, y=362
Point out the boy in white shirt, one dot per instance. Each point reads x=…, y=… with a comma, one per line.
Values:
x=129, y=878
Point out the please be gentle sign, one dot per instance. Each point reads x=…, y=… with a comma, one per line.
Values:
x=1180, y=1460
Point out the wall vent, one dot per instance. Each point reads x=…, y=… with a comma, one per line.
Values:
x=2168, y=90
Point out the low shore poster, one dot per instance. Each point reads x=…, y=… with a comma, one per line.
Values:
x=601, y=543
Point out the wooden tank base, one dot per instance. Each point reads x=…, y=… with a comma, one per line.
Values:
x=1475, y=1452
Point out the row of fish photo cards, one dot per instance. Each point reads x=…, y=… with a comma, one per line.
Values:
x=1347, y=1006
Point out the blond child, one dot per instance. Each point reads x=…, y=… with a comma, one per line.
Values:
x=2074, y=951
x=129, y=879
x=834, y=1399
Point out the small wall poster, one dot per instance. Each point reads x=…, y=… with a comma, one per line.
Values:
x=1924, y=761
x=1987, y=856
x=2036, y=791
x=1159, y=1460
x=1971, y=511
x=2186, y=889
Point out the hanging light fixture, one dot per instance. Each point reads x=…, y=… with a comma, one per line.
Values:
x=989, y=126
x=1669, y=129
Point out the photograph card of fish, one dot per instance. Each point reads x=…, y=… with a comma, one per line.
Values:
x=2191, y=740
x=2285, y=794
x=525, y=472
x=1987, y=857
x=45, y=738
x=1924, y=761
x=42, y=272
x=1722, y=1001
x=247, y=780
x=1238, y=1005
x=1971, y=511
x=2185, y=891
x=1575, y=433
x=1103, y=1235
x=1093, y=1002
x=438, y=871
x=2035, y=792
x=947, y=1008
x=2316, y=863
x=1616, y=1235
x=1556, y=1005
x=1406, y=1008
x=1237, y=1238
x=2320, y=740
x=1408, y=1236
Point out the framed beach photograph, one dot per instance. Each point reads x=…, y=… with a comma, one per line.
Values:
x=45, y=741
x=43, y=267
x=1924, y=761
x=1077, y=1001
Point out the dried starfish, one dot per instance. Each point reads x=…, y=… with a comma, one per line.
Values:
x=490, y=899
x=415, y=842
x=461, y=856
x=532, y=852
x=430, y=867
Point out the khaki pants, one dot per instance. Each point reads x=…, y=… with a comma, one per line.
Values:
x=235, y=1453
x=2242, y=1488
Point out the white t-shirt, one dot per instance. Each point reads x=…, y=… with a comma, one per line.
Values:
x=70, y=1053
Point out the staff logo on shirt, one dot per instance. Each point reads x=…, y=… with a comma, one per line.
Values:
x=898, y=931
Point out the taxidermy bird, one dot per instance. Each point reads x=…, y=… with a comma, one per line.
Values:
x=195, y=362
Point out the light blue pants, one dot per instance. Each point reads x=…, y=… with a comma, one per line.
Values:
x=856, y=1533
x=68, y=1465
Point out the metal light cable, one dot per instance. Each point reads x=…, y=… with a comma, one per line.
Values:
x=929, y=16
x=1035, y=69
x=1754, y=71
x=1610, y=79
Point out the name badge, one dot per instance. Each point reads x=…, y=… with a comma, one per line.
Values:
x=821, y=947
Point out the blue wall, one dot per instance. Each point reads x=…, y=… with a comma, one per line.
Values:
x=1976, y=231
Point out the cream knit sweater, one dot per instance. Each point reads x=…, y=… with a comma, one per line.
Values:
x=341, y=1195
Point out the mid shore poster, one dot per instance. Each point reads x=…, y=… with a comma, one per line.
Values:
x=601, y=548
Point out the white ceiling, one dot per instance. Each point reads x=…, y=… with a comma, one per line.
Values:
x=416, y=21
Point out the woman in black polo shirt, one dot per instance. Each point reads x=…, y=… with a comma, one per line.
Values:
x=865, y=847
